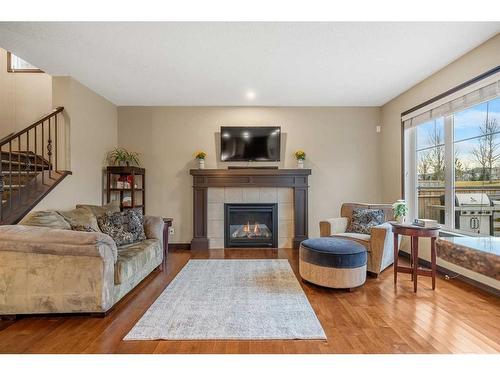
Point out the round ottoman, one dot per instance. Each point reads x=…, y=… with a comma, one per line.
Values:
x=333, y=262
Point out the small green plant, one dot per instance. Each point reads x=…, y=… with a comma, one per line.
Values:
x=300, y=155
x=200, y=155
x=121, y=156
x=399, y=208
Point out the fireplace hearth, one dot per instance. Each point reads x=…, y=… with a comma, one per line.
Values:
x=250, y=225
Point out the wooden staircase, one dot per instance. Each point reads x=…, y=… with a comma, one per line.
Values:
x=29, y=167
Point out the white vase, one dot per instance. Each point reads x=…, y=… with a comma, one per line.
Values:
x=300, y=164
x=201, y=163
x=401, y=219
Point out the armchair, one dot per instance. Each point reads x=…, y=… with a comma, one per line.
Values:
x=378, y=244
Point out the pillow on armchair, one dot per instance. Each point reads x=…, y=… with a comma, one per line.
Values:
x=364, y=219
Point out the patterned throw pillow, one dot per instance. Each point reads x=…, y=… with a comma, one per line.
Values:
x=364, y=219
x=123, y=227
x=133, y=221
x=111, y=223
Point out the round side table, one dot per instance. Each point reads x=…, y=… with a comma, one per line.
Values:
x=415, y=232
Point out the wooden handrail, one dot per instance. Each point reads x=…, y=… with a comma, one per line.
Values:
x=11, y=137
x=7, y=136
x=29, y=163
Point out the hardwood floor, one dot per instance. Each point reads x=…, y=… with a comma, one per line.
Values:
x=376, y=318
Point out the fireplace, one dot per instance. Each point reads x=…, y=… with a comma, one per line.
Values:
x=251, y=225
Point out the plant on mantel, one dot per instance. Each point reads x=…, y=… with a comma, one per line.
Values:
x=200, y=156
x=122, y=157
x=300, y=156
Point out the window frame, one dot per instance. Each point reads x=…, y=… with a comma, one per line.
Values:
x=12, y=70
x=409, y=152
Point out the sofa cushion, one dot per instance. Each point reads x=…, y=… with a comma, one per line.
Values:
x=364, y=219
x=80, y=219
x=133, y=258
x=101, y=210
x=47, y=219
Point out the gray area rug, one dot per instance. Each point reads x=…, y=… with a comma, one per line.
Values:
x=231, y=300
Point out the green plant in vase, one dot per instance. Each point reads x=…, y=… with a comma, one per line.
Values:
x=300, y=156
x=122, y=157
x=200, y=156
x=400, y=210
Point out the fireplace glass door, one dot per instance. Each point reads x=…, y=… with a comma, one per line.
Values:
x=250, y=225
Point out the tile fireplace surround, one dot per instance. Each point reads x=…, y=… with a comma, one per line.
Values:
x=215, y=211
x=212, y=188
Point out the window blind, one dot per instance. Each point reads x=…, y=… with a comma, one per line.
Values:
x=456, y=102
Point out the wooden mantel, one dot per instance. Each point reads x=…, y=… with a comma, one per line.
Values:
x=297, y=179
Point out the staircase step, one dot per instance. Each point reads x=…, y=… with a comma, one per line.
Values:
x=22, y=158
x=14, y=207
x=15, y=173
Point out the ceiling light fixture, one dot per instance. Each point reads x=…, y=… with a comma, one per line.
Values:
x=250, y=95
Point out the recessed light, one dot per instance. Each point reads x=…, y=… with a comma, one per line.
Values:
x=250, y=95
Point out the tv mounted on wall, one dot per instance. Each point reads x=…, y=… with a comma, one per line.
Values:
x=250, y=143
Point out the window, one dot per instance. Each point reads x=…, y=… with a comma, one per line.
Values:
x=452, y=161
x=17, y=65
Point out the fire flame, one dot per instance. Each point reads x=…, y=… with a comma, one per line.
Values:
x=247, y=228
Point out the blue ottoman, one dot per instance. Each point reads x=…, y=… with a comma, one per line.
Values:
x=333, y=262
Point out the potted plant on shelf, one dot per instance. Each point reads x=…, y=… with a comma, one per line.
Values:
x=122, y=157
x=400, y=209
x=200, y=156
x=300, y=156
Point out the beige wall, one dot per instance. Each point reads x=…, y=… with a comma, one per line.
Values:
x=477, y=61
x=24, y=97
x=341, y=146
x=92, y=124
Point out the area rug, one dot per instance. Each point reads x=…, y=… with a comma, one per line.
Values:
x=231, y=300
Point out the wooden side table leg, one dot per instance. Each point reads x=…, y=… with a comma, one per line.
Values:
x=415, y=262
x=433, y=262
x=412, y=239
x=396, y=253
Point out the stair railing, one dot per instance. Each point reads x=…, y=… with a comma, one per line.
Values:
x=24, y=155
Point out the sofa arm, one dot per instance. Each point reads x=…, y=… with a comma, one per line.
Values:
x=382, y=247
x=45, y=270
x=331, y=226
x=153, y=227
x=42, y=240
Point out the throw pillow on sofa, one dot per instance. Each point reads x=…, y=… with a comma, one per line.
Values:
x=48, y=219
x=111, y=223
x=81, y=220
x=101, y=210
x=364, y=219
x=133, y=221
x=123, y=227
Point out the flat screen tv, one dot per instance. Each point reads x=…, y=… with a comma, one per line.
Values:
x=250, y=143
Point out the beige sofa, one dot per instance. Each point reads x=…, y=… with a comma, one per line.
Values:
x=379, y=244
x=47, y=269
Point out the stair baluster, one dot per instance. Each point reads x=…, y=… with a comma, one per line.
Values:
x=36, y=156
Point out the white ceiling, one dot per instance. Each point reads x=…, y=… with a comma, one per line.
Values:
x=283, y=64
